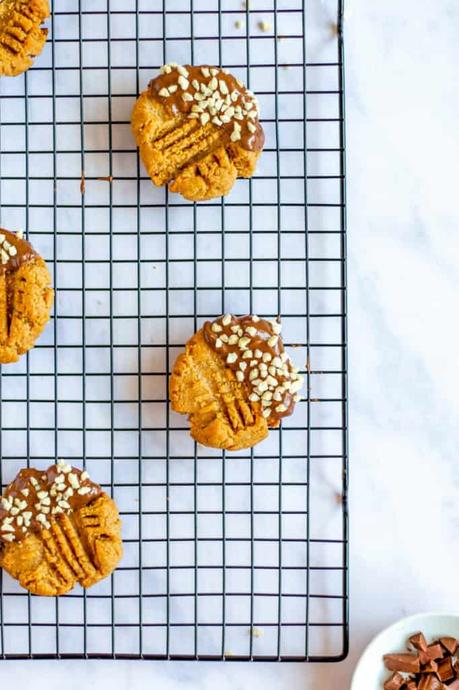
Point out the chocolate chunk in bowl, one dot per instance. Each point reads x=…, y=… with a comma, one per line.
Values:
x=391, y=659
x=431, y=667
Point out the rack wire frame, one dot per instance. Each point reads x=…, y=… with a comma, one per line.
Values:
x=227, y=556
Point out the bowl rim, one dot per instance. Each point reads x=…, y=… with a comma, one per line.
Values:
x=406, y=619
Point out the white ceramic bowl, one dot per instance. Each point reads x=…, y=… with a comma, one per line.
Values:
x=370, y=673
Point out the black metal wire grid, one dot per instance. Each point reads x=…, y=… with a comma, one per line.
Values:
x=227, y=556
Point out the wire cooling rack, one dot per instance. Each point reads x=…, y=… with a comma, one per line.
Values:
x=227, y=556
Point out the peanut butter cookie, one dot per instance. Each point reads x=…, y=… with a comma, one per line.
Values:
x=58, y=528
x=197, y=129
x=26, y=296
x=234, y=380
x=21, y=35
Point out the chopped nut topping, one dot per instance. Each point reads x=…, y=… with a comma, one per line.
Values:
x=182, y=71
x=27, y=503
x=73, y=479
x=183, y=83
x=7, y=527
x=224, y=100
x=258, y=358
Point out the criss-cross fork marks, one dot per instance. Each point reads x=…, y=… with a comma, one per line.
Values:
x=83, y=546
x=217, y=404
x=21, y=35
x=181, y=146
x=66, y=552
x=218, y=395
x=198, y=161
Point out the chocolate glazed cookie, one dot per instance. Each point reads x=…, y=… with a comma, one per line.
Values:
x=58, y=528
x=26, y=296
x=235, y=381
x=197, y=129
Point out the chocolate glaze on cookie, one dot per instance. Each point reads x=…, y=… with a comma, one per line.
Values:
x=14, y=251
x=253, y=349
x=210, y=94
x=34, y=497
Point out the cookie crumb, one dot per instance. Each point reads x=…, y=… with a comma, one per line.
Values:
x=264, y=26
x=256, y=632
x=82, y=183
x=334, y=28
x=238, y=24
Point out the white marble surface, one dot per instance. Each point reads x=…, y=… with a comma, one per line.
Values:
x=403, y=149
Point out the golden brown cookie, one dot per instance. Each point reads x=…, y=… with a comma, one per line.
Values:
x=26, y=296
x=21, y=35
x=58, y=528
x=234, y=380
x=197, y=129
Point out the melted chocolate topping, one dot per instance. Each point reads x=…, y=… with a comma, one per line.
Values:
x=210, y=94
x=253, y=349
x=34, y=497
x=14, y=251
